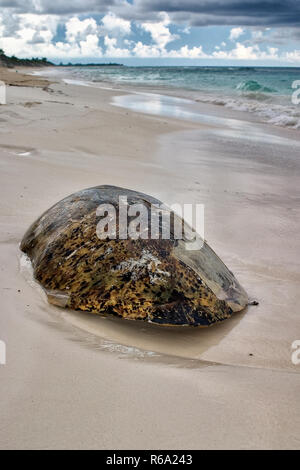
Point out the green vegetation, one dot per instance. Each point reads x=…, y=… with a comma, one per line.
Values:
x=13, y=61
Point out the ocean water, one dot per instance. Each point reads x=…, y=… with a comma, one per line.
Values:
x=265, y=91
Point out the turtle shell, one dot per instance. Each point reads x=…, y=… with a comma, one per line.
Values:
x=152, y=279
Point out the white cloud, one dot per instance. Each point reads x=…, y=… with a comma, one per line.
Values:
x=242, y=52
x=159, y=31
x=145, y=50
x=30, y=27
x=187, y=53
x=82, y=40
x=293, y=56
x=35, y=33
x=187, y=30
x=26, y=33
x=115, y=25
x=112, y=50
x=271, y=54
x=90, y=46
x=235, y=33
x=78, y=30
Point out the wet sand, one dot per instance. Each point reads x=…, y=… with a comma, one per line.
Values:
x=74, y=380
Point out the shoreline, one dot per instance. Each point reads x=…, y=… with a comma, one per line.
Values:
x=66, y=138
x=236, y=106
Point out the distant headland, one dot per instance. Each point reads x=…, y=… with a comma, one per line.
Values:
x=13, y=61
x=104, y=64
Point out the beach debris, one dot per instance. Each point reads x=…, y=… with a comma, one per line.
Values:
x=156, y=280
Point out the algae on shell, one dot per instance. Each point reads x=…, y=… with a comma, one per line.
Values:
x=155, y=280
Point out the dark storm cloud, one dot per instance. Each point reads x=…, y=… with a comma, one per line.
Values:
x=271, y=13
x=10, y=22
x=59, y=7
x=277, y=37
x=226, y=12
x=8, y=4
x=63, y=7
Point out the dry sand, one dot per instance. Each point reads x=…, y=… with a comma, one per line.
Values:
x=78, y=381
x=13, y=77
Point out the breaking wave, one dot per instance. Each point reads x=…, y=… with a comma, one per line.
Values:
x=253, y=85
x=284, y=115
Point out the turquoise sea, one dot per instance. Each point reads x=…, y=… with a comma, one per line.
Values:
x=266, y=91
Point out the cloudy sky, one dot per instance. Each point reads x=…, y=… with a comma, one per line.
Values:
x=248, y=32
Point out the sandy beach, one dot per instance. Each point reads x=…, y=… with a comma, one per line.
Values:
x=73, y=380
